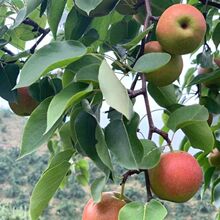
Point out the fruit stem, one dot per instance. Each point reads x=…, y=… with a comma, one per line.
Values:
x=122, y=191
x=147, y=181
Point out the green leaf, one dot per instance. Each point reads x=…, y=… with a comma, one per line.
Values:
x=135, y=210
x=138, y=38
x=200, y=135
x=46, y=188
x=136, y=145
x=8, y=77
x=84, y=128
x=88, y=74
x=76, y=25
x=76, y=66
x=158, y=7
x=97, y=188
x=60, y=158
x=82, y=172
x=201, y=78
x=65, y=136
x=216, y=193
x=123, y=31
x=207, y=179
x=111, y=87
x=151, y=61
x=151, y=155
x=63, y=100
x=54, y=13
x=87, y=5
x=163, y=96
x=102, y=148
x=34, y=132
x=58, y=54
x=30, y=6
x=216, y=35
x=118, y=142
x=187, y=115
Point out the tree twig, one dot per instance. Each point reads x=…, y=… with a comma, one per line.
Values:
x=211, y=3
x=46, y=31
x=6, y=50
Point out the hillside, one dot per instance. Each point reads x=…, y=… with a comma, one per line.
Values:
x=17, y=179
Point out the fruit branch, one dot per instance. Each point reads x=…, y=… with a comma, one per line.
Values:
x=211, y=3
x=6, y=50
x=35, y=26
x=46, y=31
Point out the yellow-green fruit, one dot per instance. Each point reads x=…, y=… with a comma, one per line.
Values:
x=25, y=104
x=214, y=158
x=181, y=29
x=104, y=8
x=214, y=83
x=166, y=74
x=127, y=7
x=177, y=177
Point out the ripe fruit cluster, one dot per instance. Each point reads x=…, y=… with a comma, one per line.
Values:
x=180, y=30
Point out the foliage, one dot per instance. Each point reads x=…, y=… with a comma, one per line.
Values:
x=94, y=48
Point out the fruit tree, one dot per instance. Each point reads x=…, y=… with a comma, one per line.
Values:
x=63, y=62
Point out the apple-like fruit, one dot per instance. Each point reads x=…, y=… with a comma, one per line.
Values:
x=107, y=209
x=104, y=8
x=214, y=83
x=181, y=29
x=168, y=73
x=25, y=104
x=214, y=158
x=177, y=177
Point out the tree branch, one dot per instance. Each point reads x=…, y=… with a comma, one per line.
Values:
x=211, y=3
x=6, y=50
x=46, y=31
x=35, y=26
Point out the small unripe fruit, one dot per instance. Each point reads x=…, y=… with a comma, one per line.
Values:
x=25, y=104
x=181, y=29
x=177, y=177
x=107, y=209
x=214, y=158
x=168, y=73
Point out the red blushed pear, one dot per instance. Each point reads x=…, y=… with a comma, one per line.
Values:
x=168, y=73
x=181, y=29
x=177, y=177
x=107, y=209
x=25, y=104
